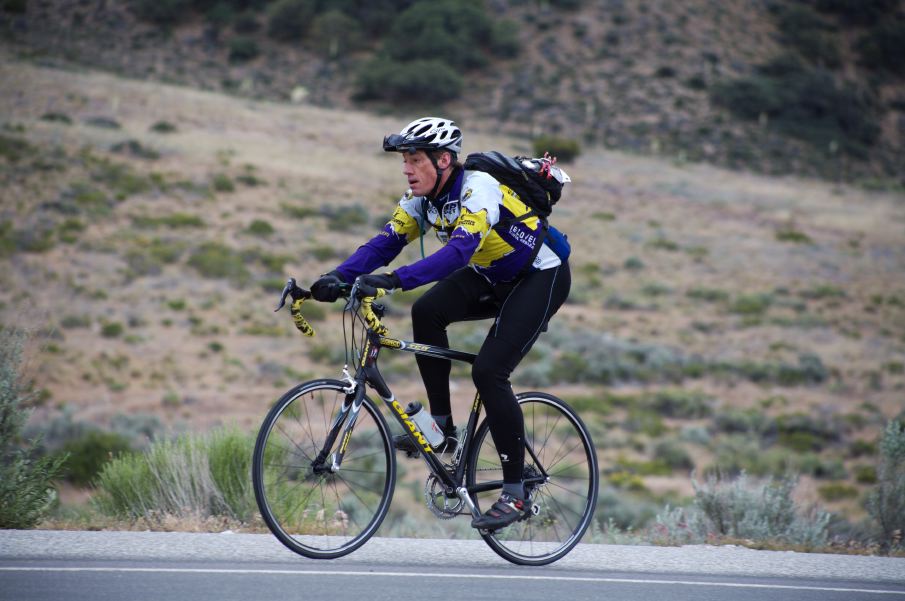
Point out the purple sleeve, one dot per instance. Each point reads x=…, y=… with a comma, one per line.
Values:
x=376, y=252
x=440, y=264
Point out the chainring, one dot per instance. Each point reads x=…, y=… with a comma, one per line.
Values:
x=441, y=505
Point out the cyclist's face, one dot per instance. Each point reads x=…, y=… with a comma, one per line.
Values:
x=420, y=173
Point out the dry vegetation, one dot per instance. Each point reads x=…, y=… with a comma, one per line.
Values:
x=144, y=230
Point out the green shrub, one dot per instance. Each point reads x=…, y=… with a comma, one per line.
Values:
x=15, y=7
x=15, y=149
x=742, y=421
x=163, y=127
x=260, y=228
x=802, y=432
x=55, y=117
x=86, y=455
x=136, y=149
x=564, y=149
x=455, y=32
x=806, y=104
x=837, y=491
x=709, y=295
x=69, y=230
x=288, y=20
x=112, y=329
x=862, y=12
x=814, y=465
x=322, y=252
x=882, y=47
x=243, y=49
x=761, y=512
x=344, y=218
x=298, y=212
x=120, y=179
x=174, y=220
x=679, y=403
x=808, y=32
x=336, y=34
x=674, y=455
x=216, y=260
x=161, y=12
x=195, y=475
x=222, y=183
x=26, y=479
x=788, y=233
x=751, y=304
x=386, y=79
x=866, y=474
x=886, y=503
x=504, y=39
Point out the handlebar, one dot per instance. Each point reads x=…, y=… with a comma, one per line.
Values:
x=371, y=311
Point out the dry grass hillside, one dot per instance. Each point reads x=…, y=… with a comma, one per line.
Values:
x=636, y=75
x=717, y=318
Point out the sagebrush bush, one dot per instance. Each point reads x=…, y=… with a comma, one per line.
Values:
x=336, y=34
x=26, y=478
x=457, y=32
x=85, y=456
x=755, y=511
x=289, y=20
x=886, y=503
x=216, y=260
x=243, y=49
x=881, y=47
x=807, y=104
x=193, y=476
x=386, y=79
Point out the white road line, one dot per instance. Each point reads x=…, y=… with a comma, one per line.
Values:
x=468, y=576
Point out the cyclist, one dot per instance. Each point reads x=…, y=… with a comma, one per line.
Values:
x=513, y=274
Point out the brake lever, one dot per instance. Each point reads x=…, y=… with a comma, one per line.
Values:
x=291, y=289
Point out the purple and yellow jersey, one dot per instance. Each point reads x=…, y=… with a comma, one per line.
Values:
x=463, y=221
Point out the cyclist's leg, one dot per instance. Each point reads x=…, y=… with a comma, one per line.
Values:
x=522, y=317
x=458, y=297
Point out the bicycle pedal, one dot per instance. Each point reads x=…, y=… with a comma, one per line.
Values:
x=535, y=509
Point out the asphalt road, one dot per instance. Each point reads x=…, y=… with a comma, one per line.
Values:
x=101, y=566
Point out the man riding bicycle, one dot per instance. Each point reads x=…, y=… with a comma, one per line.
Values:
x=515, y=274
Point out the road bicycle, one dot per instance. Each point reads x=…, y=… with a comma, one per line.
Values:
x=324, y=466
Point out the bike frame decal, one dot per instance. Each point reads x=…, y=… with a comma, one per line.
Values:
x=412, y=427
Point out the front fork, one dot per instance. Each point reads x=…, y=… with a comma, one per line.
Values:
x=348, y=415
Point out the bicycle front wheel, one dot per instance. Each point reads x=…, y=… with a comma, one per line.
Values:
x=315, y=511
x=557, y=444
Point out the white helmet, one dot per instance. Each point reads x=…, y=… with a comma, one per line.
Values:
x=427, y=133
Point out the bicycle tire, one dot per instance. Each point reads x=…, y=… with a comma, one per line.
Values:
x=326, y=515
x=566, y=501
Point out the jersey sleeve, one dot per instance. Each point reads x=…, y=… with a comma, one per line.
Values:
x=403, y=227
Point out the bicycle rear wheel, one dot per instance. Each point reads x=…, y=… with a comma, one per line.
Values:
x=310, y=509
x=563, y=449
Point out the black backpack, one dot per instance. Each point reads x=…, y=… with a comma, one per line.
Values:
x=529, y=178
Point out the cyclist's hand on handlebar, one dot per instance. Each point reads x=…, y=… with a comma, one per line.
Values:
x=328, y=288
x=368, y=284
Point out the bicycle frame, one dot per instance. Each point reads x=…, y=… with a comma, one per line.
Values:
x=367, y=373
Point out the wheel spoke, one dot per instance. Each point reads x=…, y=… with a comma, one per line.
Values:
x=314, y=512
x=563, y=450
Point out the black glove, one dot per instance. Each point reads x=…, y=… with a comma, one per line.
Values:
x=327, y=288
x=368, y=284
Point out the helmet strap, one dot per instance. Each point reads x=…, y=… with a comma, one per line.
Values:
x=433, y=160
